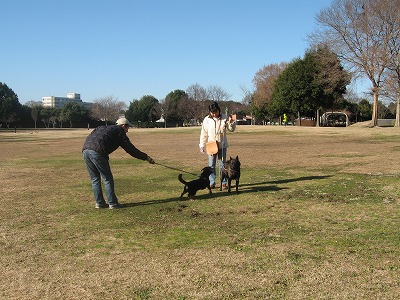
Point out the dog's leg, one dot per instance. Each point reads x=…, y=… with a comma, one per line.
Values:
x=229, y=185
x=184, y=192
x=221, y=177
x=237, y=186
x=209, y=189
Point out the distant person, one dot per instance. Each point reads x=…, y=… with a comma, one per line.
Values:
x=102, y=141
x=284, y=120
x=214, y=129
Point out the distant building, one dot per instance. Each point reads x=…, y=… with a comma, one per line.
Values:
x=60, y=102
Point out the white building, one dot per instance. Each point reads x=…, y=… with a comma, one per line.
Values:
x=60, y=102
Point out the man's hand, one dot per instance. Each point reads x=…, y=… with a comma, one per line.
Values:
x=202, y=150
x=150, y=160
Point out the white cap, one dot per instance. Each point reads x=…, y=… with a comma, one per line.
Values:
x=124, y=121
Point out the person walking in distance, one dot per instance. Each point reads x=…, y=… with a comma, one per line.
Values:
x=99, y=144
x=284, y=120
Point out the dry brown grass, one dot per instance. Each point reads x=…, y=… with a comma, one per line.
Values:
x=317, y=218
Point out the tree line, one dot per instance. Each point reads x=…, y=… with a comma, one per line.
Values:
x=179, y=108
x=355, y=38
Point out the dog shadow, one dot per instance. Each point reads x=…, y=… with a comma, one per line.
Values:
x=172, y=199
x=282, y=181
x=256, y=188
x=271, y=185
x=266, y=186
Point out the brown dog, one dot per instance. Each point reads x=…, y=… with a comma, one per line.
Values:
x=191, y=187
x=231, y=171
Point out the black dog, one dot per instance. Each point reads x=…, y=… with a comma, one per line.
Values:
x=230, y=171
x=201, y=183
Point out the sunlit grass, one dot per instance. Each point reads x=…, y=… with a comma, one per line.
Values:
x=293, y=232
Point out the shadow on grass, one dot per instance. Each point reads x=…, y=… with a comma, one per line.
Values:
x=205, y=196
x=304, y=178
x=173, y=199
x=243, y=188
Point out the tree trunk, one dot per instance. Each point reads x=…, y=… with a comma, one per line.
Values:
x=317, y=125
x=299, y=117
x=397, y=124
x=375, y=107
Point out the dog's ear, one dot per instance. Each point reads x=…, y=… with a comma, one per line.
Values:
x=237, y=157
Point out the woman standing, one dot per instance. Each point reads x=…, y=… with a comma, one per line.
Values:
x=214, y=129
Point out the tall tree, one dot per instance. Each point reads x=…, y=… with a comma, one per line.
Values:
x=329, y=78
x=9, y=105
x=365, y=110
x=74, y=113
x=330, y=75
x=264, y=82
x=143, y=111
x=389, y=13
x=46, y=114
x=35, y=110
x=353, y=31
x=307, y=85
x=293, y=89
x=172, y=107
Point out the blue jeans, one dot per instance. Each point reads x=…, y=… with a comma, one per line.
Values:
x=212, y=161
x=99, y=167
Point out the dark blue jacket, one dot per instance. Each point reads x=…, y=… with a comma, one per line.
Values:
x=106, y=139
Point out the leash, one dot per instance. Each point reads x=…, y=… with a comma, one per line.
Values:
x=176, y=169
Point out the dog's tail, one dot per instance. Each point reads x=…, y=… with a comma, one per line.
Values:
x=181, y=179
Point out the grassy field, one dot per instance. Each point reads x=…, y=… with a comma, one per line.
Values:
x=317, y=217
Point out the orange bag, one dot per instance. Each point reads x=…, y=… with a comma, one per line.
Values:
x=212, y=147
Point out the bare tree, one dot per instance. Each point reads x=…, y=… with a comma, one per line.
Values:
x=216, y=93
x=107, y=109
x=188, y=109
x=247, y=95
x=353, y=31
x=264, y=82
x=197, y=93
x=389, y=13
x=200, y=96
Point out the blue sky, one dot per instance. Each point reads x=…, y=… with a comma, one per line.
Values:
x=131, y=48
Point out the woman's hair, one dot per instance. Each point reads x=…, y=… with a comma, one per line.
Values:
x=214, y=107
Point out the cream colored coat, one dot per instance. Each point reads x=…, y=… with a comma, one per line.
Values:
x=214, y=129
